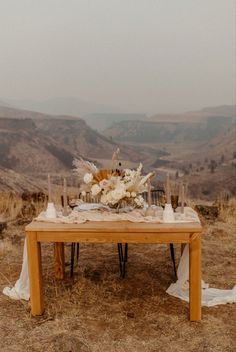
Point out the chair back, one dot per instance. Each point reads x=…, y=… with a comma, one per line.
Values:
x=88, y=198
x=157, y=195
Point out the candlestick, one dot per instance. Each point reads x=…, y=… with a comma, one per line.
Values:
x=65, y=198
x=168, y=213
x=49, y=189
x=182, y=198
x=51, y=211
x=149, y=193
x=168, y=199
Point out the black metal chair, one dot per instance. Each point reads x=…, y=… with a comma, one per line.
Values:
x=75, y=247
x=158, y=198
x=123, y=257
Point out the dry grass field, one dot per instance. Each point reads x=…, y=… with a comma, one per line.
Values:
x=98, y=311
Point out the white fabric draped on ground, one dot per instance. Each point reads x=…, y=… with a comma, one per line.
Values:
x=210, y=296
x=180, y=289
x=21, y=289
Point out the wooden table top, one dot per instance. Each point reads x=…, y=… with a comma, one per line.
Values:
x=114, y=226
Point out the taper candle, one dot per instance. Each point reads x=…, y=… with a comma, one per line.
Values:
x=182, y=198
x=65, y=198
x=49, y=189
x=168, y=198
x=149, y=193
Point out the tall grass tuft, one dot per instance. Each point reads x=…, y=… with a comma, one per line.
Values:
x=227, y=210
x=10, y=206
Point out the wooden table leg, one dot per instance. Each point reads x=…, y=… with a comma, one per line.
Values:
x=59, y=259
x=35, y=274
x=195, y=290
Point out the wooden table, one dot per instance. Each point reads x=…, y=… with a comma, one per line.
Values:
x=111, y=232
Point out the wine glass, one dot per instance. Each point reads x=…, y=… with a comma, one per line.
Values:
x=174, y=201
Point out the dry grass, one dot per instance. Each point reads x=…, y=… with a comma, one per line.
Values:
x=228, y=211
x=10, y=206
x=98, y=311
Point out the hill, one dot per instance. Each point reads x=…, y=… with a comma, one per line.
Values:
x=14, y=181
x=191, y=116
x=198, y=126
x=35, y=144
x=11, y=112
x=102, y=121
x=62, y=105
x=166, y=132
x=221, y=148
x=223, y=144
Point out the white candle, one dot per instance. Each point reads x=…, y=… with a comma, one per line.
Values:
x=168, y=199
x=65, y=198
x=49, y=189
x=182, y=198
x=149, y=193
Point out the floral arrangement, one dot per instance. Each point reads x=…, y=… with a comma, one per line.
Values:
x=115, y=188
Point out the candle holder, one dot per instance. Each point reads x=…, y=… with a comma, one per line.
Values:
x=51, y=211
x=168, y=213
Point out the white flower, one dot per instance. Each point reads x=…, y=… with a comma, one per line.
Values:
x=104, y=183
x=139, y=201
x=119, y=192
x=95, y=190
x=115, y=188
x=104, y=199
x=110, y=199
x=88, y=178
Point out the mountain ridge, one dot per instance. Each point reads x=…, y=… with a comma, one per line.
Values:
x=41, y=142
x=198, y=126
x=62, y=106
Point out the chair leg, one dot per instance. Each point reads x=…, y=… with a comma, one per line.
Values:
x=125, y=260
x=72, y=259
x=172, y=253
x=77, y=252
x=120, y=254
x=126, y=252
x=74, y=253
x=124, y=269
x=123, y=257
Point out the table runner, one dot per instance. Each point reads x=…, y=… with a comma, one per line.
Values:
x=103, y=214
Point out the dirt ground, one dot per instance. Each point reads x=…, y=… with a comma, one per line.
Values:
x=99, y=311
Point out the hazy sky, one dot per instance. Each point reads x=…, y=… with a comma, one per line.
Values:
x=145, y=55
